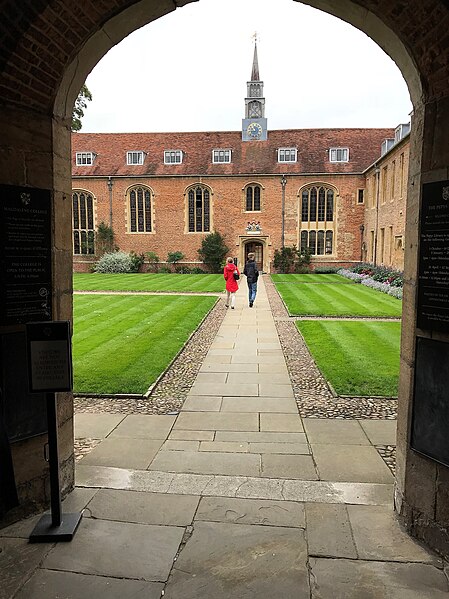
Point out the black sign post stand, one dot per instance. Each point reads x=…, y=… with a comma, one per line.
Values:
x=55, y=526
x=49, y=359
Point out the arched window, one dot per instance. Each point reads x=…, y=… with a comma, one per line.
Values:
x=83, y=222
x=253, y=198
x=317, y=220
x=139, y=203
x=198, y=209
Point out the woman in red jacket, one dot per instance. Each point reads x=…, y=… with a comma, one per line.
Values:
x=231, y=275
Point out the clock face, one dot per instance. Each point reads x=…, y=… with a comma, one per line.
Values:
x=254, y=130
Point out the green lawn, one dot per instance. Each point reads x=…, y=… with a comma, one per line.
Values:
x=148, y=282
x=337, y=300
x=357, y=358
x=329, y=278
x=121, y=344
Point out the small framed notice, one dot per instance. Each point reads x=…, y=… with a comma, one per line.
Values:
x=49, y=356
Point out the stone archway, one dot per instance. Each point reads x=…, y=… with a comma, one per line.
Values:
x=42, y=67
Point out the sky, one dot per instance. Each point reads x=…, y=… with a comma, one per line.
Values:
x=188, y=71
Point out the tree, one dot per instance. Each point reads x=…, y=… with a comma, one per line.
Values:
x=213, y=251
x=80, y=105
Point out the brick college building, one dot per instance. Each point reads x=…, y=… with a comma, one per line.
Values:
x=326, y=189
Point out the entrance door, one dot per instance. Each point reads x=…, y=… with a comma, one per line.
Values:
x=257, y=249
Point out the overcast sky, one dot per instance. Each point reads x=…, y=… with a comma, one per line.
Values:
x=188, y=71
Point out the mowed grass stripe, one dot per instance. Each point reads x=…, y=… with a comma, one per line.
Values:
x=148, y=282
x=357, y=358
x=338, y=300
x=122, y=344
x=311, y=278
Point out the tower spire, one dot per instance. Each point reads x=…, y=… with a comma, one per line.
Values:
x=255, y=70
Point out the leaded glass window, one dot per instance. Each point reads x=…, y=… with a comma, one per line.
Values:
x=198, y=209
x=253, y=198
x=317, y=220
x=140, y=218
x=83, y=223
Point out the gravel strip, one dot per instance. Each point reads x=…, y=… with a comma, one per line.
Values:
x=83, y=447
x=388, y=454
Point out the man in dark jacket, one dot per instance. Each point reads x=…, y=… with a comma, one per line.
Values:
x=252, y=274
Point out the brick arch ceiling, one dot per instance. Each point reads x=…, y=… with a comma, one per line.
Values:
x=48, y=47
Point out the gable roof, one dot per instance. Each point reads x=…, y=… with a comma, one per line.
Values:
x=248, y=157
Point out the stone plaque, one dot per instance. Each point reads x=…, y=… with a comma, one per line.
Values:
x=430, y=419
x=25, y=254
x=433, y=276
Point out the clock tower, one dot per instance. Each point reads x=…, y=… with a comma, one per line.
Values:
x=254, y=125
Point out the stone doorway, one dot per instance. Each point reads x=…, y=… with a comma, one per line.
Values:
x=256, y=247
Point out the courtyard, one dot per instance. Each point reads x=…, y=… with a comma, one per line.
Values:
x=241, y=475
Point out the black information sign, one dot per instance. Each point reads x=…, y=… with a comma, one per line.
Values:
x=430, y=420
x=433, y=277
x=25, y=254
x=49, y=356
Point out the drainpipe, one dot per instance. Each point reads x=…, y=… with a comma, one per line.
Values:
x=110, y=186
x=283, y=184
x=377, y=171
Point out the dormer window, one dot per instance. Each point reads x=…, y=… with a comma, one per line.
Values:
x=287, y=154
x=133, y=158
x=221, y=156
x=85, y=158
x=173, y=157
x=339, y=154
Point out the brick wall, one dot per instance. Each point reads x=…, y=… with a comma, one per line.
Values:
x=228, y=214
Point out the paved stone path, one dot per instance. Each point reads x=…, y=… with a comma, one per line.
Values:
x=238, y=496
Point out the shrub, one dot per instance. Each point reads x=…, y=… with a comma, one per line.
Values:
x=182, y=270
x=115, y=262
x=137, y=261
x=213, y=251
x=174, y=257
x=104, y=239
x=153, y=261
x=290, y=259
x=325, y=270
x=198, y=271
x=164, y=270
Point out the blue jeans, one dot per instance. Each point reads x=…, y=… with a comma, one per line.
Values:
x=252, y=290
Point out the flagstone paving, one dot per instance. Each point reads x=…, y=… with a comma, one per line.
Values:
x=237, y=496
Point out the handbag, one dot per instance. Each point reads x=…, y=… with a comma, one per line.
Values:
x=236, y=275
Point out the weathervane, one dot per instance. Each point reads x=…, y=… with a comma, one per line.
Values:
x=255, y=37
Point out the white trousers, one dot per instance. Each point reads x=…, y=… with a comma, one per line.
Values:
x=232, y=296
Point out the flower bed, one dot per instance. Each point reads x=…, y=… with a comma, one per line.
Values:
x=377, y=277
